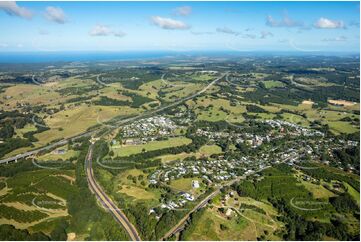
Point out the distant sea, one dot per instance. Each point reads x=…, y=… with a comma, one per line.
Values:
x=39, y=57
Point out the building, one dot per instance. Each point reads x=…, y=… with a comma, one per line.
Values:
x=195, y=184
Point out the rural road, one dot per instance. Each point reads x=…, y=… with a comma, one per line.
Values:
x=48, y=147
x=112, y=208
x=106, y=201
x=88, y=133
x=179, y=226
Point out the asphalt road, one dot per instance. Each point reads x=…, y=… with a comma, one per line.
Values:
x=180, y=225
x=48, y=147
x=94, y=186
x=124, y=121
x=118, y=215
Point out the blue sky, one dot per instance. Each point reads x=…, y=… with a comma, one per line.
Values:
x=179, y=26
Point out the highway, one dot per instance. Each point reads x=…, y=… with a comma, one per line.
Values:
x=112, y=208
x=180, y=225
x=48, y=147
x=124, y=121
x=118, y=215
x=94, y=186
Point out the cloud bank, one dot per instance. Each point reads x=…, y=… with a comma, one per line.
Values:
x=12, y=9
x=168, y=23
x=325, y=23
x=104, y=30
x=55, y=14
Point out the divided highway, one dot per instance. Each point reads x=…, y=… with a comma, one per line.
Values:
x=121, y=122
x=112, y=208
x=118, y=215
x=48, y=147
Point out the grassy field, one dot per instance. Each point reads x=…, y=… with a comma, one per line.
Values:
x=27, y=128
x=339, y=127
x=238, y=228
x=331, y=117
x=153, y=145
x=318, y=191
x=213, y=110
x=134, y=189
x=273, y=84
x=137, y=193
x=208, y=150
x=203, y=77
x=29, y=93
x=76, y=120
x=177, y=92
x=153, y=88
x=261, y=214
x=212, y=115
x=54, y=156
x=46, y=94
x=112, y=92
x=184, y=184
x=180, y=156
x=355, y=194
x=297, y=119
x=34, y=197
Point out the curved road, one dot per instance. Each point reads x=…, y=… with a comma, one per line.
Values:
x=180, y=225
x=127, y=120
x=118, y=215
x=94, y=186
x=97, y=190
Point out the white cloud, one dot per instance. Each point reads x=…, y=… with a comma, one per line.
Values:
x=55, y=14
x=265, y=34
x=336, y=39
x=285, y=22
x=226, y=30
x=104, y=30
x=168, y=23
x=3, y=45
x=249, y=36
x=43, y=32
x=12, y=9
x=325, y=23
x=119, y=34
x=201, y=33
x=100, y=30
x=183, y=11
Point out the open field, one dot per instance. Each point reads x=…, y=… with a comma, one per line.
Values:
x=126, y=150
x=74, y=121
x=355, y=194
x=208, y=150
x=273, y=84
x=137, y=193
x=56, y=156
x=341, y=102
x=184, y=184
x=318, y=191
x=36, y=196
x=238, y=228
